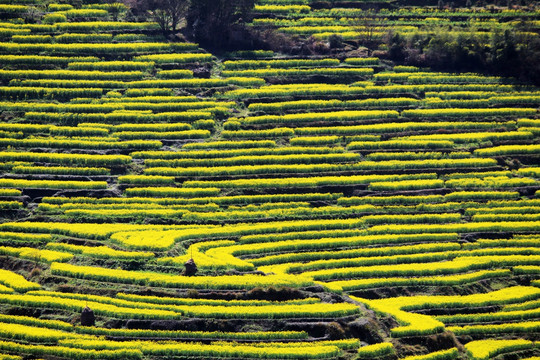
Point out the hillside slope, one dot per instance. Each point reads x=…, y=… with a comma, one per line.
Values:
x=159, y=201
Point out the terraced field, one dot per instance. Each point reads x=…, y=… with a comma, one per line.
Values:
x=336, y=207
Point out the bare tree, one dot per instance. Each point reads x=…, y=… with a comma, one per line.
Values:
x=367, y=26
x=167, y=13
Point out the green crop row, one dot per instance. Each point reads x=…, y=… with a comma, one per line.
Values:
x=154, y=99
x=406, y=185
x=328, y=245
x=423, y=164
x=503, y=210
x=318, y=117
x=16, y=281
x=328, y=89
x=172, y=192
x=10, y=205
x=85, y=13
x=55, y=107
x=288, y=63
x=304, y=212
x=185, y=168
x=221, y=200
x=362, y=61
x=114, y=310
x=188, y=134
x=417, y=77
x=79, y=159
x=166, y=280
x=110, y=65
x=305, y=141
x=217, y=309
x=257, y=160
x=458, y=265
x=165, y=240
x=174, y=58
x=100, y=252
x=510, y=226
x=32, y=321
x=375, y=351
x=244, y=144
x=10, y=192
x=256, y=134
x=449, y=280
x=421, y=199
x=469, y=112
x=23, y=92
x=502, y=316
x=401, y=127
x=40, y=59
x=80, y=144
x=203, y=335
x=13, y=237
x=282, y=9
x=452, y=79
x=138, y=208
x=490, y=182
x=473, y=137
x=145, y=180
x=6, y=33
x=329, y=104
x=306, y=182
x=60, y=170
x=421, y=155
x=174, y=74
x=480, y=175
x=383, y=260
x=52, y=184
x=99, y=26
x=489, y=349
x=450, y=354
x=334, y=72
x=68, y=352
x=160, y=127
x=93, y=49
x=232, y=151
x=118, y=116
x=157, y=83
x=148, y=299
x=294, y=89
x=505, y=217
x=65, y=38
x=219, y=350
x=395, y=144
x=13, y=9
x=490, y=330
x=246, y=169
x=508, y=149
x=332, y=253
x=31, y=253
